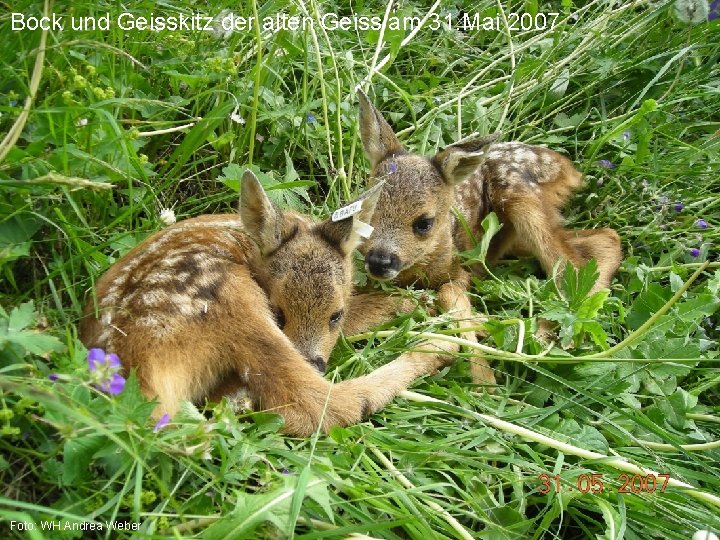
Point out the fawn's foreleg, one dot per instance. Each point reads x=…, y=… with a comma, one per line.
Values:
x=285, y=383
x=452, y=298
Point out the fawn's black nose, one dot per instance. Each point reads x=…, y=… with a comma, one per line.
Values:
x=381, y=264
x=319, y=363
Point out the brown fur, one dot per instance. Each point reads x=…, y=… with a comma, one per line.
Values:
x=526, y=186
x=194, y=309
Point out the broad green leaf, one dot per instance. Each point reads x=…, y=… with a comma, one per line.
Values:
x=590, y=306
x=577, y=284
x=675, y=282
x=14, y=331
x=593, y=371
x=21, y=317
x=491, y=225
x=18, y=229
x=77, y=455
x=658, y=346
x=253, y=509
x=615, y=525
x=673, y=409
x=297, y=499
x=13, y=252
x=713, y=283
x=134, y=406
x=584, y=436
x=594, y=330
x=646, y=304
x=35, y=342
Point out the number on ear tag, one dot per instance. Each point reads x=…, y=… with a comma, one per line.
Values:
x=346, y=211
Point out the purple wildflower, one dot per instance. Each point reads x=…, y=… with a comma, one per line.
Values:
x=606, y=164
x=53, y=377
x=694, y=252
x=104, y=368
x=701, y=224
x=679, y=206
x=113, y=385
x=714, y=10
x=164, y=419
x=393, y=167
x=97, y=359
x=626, y=135
x=285, y=471
x=310, y=118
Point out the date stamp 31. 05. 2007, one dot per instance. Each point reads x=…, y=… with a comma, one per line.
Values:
x=596, y=483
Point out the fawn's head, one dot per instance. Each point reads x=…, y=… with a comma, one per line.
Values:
x=413, y=217
x=305, y=268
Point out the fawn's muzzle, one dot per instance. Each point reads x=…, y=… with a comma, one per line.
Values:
x=319, y=363
x=382, y=265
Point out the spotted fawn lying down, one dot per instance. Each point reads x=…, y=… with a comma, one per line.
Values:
x=251, y=302
x=417, y=236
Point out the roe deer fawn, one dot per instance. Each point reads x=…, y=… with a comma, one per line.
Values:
x=197, y=309
x=416, y=235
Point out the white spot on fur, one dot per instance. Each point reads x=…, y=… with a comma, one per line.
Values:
x=173, y=258
x=104, y=336
x=550, y=172
x=150, y=321
x=208, y=279
x=111, y=297
x=153, y=298
x=183, y=303
x=205, y=263
x=106, y=317
x=159, y=278
x=524, y=155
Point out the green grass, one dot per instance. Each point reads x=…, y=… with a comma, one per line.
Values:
x=633, y=376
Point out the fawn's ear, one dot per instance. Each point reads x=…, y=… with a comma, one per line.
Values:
x=377, y=136
x=261, y=220
x=459, y=161
x=346, y=233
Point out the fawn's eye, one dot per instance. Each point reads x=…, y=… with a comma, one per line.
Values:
x=335, y=318
x=422, y=225
x=279, y=317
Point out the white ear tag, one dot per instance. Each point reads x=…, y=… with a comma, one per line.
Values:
x=363, y=229
x=346, y=211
